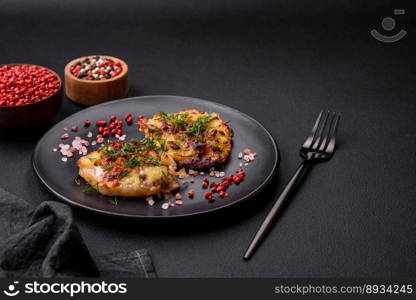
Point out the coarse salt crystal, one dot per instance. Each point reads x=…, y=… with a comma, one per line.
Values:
x=179, y=202
x=93, y=143
x=64, y=159
x=246, y=164
x=222, y=174
x=54, y=149
x=240, y=155
x=193, y=172
x=76, y=144
x=165, y=205
x=151, y=202
x=89, y=134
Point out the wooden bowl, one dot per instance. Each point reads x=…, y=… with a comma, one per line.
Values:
x=33, y=114
x=91, y=92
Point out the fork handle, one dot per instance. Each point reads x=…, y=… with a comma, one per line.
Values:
x=277, y=208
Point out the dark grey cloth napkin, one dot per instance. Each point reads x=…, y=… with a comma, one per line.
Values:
x=45, y=242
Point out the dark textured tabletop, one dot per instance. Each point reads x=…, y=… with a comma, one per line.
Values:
x=280, y=62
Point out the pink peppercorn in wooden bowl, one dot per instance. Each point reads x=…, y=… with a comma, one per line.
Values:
x=30, y=95
x=95, y=79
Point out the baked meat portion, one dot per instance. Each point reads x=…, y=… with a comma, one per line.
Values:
x=137, y=168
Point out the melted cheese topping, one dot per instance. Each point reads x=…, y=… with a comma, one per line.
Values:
x=189, y=147
x=140, y=181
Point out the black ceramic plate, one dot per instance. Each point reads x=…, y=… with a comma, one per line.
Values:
x=59, y=176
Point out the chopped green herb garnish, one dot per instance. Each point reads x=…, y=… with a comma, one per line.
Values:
x=108, y=167
x=148, y=143
x=162, y=145
x=132, y=162
x=77, y=181
x=89, y=188
x=123, y=173
x=176, y=120
x=196, y=128
x=115, y=201
x=152, y=160
x=155, y=131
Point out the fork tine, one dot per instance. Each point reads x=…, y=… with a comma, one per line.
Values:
x=333, y=135
x=311, y=137
x=327, y=133
x=315, y=145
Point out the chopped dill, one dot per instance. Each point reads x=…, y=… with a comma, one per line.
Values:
x=196, y=128
x=152, y=160
x=148, y=143
x=108, y=167
x=89, y=188
x=176, y=120
x=155, y=131
x=115, y=201
x=132, y=162
x=123, y=173
x=162, y=145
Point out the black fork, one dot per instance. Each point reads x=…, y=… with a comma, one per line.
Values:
x=319, y=146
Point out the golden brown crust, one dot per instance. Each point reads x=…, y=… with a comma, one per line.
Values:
x=110, y=176
x=139, y=168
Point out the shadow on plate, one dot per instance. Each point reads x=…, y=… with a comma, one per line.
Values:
x=192, y=224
